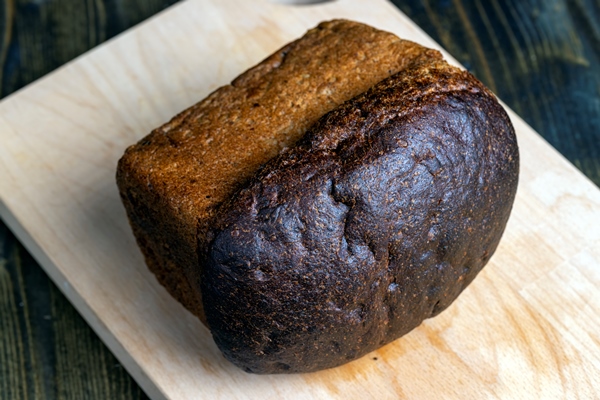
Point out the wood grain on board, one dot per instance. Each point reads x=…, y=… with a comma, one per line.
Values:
x=526, y=327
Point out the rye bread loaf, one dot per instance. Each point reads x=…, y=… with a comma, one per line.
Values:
x=327, y=201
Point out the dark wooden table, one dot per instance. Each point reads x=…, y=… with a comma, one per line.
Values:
x=542, y=57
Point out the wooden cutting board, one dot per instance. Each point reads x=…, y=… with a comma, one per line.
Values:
x=528, y=327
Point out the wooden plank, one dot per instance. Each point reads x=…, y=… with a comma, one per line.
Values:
x=527, y=325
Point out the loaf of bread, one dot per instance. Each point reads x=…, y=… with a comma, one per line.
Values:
x=327, y=201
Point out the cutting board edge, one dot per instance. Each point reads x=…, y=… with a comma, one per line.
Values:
x=108, y=338
x=50, y=75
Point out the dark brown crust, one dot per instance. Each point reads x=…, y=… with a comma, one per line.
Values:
x=379, y=218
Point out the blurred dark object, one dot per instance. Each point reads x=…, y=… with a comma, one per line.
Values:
x=541, y=57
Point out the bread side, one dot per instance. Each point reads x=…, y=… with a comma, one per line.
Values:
x=379, y=218
x=172, y=181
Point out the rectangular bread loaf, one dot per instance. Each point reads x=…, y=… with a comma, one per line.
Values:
x=172, y=181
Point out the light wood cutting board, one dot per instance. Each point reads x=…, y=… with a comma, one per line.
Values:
x=528, y=327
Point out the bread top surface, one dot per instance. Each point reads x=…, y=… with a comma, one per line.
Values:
x=197, y=160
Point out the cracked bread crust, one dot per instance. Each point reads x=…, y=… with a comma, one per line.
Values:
x=376, y=220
